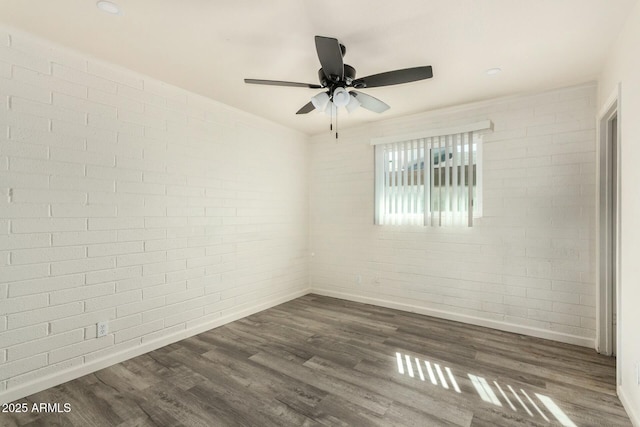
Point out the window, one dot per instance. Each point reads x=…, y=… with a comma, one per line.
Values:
x=432, y=179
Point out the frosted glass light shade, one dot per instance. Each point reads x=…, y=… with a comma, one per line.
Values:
x=353, y=104
x=331, y=109
x=341, y=97
x=320, y=101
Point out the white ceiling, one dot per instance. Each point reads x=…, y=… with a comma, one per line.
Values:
x=209, y=46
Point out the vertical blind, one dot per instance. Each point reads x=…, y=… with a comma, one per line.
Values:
x=431, y=181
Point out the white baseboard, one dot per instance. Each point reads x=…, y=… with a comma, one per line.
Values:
x=494, y=324
x=627, y=404
x=97, y=364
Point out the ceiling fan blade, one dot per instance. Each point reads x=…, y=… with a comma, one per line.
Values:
x=308, y=107
x=369, y=102
x=330, y=56
x=394, y=77
x=281, y=83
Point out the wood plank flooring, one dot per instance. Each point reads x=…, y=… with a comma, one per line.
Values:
x=319, y=361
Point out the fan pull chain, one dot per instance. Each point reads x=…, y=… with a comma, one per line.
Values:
x=336, y=119
x=331, y=115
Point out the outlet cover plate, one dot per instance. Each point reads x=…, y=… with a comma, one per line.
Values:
x=103, y=329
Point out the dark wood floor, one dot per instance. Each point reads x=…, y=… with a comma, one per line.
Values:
x=324, y=361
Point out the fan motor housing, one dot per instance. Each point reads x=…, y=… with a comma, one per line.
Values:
x=349, y=76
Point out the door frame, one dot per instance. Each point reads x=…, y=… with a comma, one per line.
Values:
x=604, y=264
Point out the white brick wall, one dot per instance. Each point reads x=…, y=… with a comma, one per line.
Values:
x=526, y=266
x=125, y=199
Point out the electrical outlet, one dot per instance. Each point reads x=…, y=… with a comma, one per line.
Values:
x=103, y=329
x=359, y=279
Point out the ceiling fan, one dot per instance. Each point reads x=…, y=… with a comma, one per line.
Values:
x=336, y=77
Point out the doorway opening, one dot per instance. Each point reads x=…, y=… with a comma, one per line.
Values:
x=608, y=240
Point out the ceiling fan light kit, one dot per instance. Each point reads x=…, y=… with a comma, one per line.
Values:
x=336, y=76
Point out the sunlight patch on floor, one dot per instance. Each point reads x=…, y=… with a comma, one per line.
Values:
x=516, y=401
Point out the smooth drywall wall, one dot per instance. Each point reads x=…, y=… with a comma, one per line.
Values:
x=126, y=200
x=623, y=66
x=527, y=265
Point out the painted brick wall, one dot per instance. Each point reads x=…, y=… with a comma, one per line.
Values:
x=129, y=200
x=526, y=266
